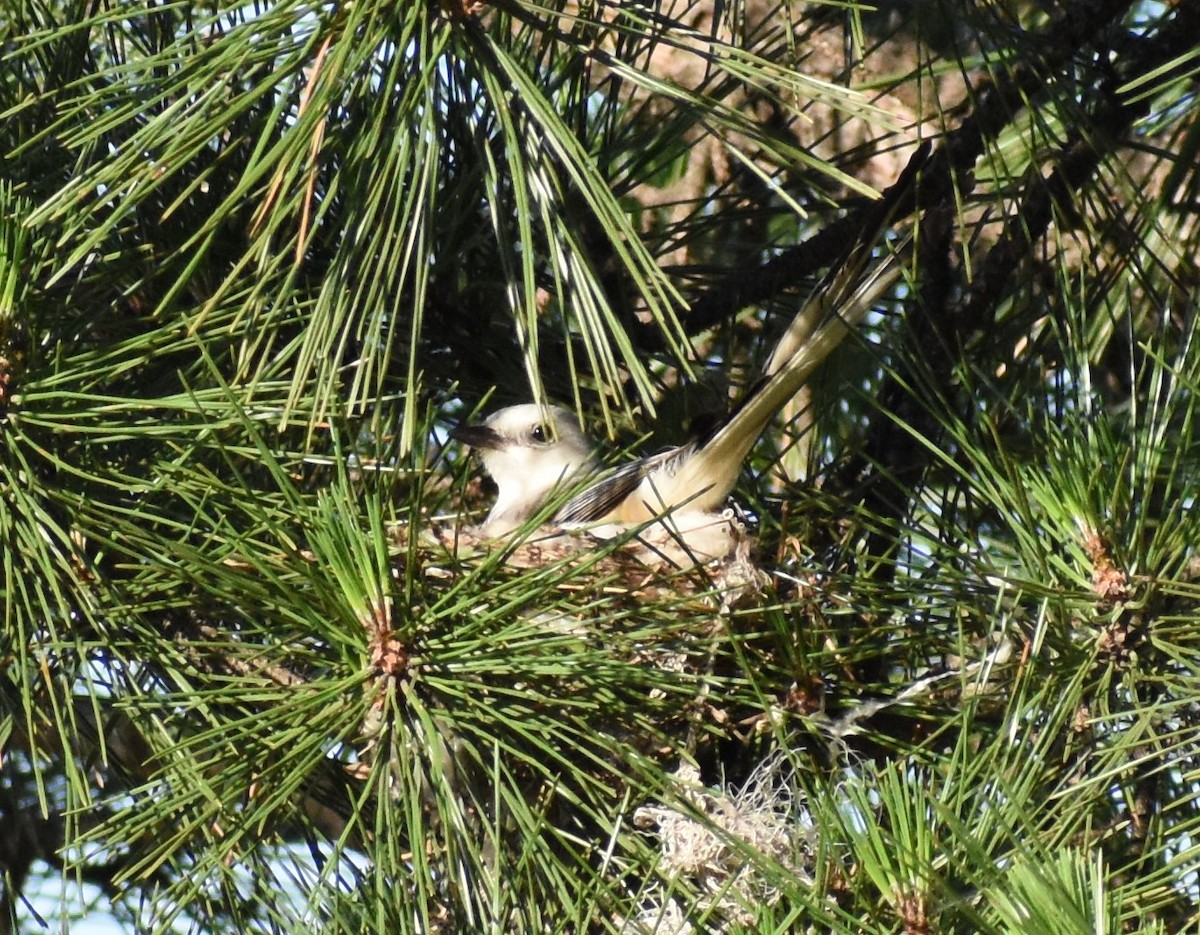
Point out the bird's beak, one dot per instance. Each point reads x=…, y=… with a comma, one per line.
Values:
x=477, y=436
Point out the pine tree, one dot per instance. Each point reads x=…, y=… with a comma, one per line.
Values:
x=255, y=260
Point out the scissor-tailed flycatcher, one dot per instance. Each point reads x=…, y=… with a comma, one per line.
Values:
x=534, y=452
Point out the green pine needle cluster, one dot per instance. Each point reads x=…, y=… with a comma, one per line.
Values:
x=257, y=673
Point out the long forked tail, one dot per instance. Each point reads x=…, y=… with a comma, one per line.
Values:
x=702, y=477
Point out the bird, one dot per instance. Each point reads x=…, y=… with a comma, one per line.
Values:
x=673, y=500
x=535, y=453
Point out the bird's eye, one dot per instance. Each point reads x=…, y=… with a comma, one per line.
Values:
x=539, y=434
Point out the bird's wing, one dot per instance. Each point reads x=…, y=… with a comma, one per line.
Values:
x=599, y=500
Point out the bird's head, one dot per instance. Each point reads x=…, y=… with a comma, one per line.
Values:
x=528, y=450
